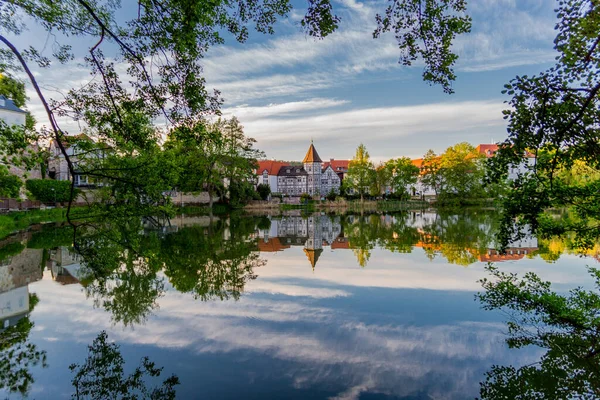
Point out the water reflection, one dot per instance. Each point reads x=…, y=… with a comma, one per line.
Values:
x=284, y=303
x=18, y=267
x=460, y=239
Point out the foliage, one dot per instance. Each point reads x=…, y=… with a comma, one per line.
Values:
x=402, y=174
x=435, y=24
x=360, y=171
x=10, y=185
x=15, y=141
x=431, y=172
x=563, y=325
x=555, y=116
x=305, y=197
x=455, y=175
x=51, y=236
x=263, y=190
x=102, y=375
x=17, y=355
x=11, y=249
x=215, y=157
x=50, y=191
x=381, y=180
x=331, y=196
x=462, y=169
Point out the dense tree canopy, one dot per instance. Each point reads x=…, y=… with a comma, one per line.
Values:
x=361, y=172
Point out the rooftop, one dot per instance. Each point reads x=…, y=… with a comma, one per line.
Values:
x=312, y=156
x=9, y=105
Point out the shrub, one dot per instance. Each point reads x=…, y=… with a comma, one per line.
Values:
x=331, y=196
x=49, y=191
x=305, y=197
x=263, y=190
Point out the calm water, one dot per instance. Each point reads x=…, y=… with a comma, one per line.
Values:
x=353, y=307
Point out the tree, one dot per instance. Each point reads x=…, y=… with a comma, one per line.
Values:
x=102, y=375
x=263, y=190
x=403, y=173
x=431, y=172
x=332, y=195
x=10, y=185
x=555, y=115
x=565, y=325
x=381, y=181
x=462, y=169
x=360, y=171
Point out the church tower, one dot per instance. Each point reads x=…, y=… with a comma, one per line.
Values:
x=312, y=166
x=314, y=244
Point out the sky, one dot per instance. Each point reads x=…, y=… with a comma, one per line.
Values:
x=288, y=89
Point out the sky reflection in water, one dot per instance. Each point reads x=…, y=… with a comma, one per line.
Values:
x=402, y=325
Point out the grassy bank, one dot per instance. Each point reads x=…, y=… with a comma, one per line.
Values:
x=21, y=220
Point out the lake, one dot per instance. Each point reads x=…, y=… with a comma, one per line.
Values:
x=318, y=306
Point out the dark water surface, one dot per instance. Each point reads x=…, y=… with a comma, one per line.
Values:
x=341, y=307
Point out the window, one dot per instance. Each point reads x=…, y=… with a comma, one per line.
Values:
x=297, y=170
x=288, y=171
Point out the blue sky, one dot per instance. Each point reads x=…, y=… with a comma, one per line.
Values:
x=349, y=88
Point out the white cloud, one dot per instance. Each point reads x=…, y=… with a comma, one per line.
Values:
x=383, y=128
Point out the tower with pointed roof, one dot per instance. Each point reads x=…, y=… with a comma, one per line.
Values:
x=312, y=166
x=313, y=247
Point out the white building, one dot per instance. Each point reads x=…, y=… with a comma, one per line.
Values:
x=11, y=114
x=293, y=179
x=58, y=167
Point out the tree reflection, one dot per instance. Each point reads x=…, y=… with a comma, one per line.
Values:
x=460, y=239
x=122, y=263
x=18, y=355
x=566, y=326
x=214, y=261
x=102, y=376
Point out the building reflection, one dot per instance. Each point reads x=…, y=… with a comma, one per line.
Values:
x=313, y=233
x=16, y=273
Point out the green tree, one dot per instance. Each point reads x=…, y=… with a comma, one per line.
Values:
x=463, y=170
x=403, y=173
x=565, y=325
x=381, y=180
x=555, y=115
x=10, y=185
x=102, y=375
x=431, y=172
x=360, y=174
x=263, y=190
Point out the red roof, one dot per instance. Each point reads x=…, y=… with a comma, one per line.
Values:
x=272, y=245
x=340, y=243
x=271, y=166
x=488, y=150
x=335, y=164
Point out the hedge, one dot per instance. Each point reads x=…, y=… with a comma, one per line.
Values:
x=42, y=190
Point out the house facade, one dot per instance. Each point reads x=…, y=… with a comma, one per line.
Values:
x=58, y=167
x=312, y=176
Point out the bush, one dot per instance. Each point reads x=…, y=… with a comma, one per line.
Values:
x=331, y=196
x=305, y=197
x=10, y=185
x=263, y=190
x=50, y=191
